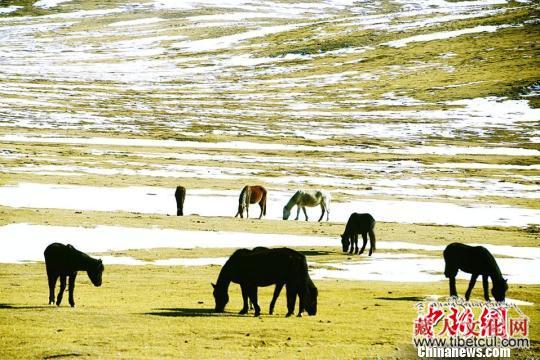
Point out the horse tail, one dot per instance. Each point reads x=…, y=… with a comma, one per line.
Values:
x=328, y=200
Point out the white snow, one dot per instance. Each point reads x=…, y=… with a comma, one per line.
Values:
x=441, y=35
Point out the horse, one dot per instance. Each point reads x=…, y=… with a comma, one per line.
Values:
x=251, y=195
x=63, y=261
x=304, y=198
x=475, y=260
x=251, y=269
x=359, y=224
x=180, y=196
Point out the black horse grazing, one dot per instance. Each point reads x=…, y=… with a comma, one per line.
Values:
x=265, y=267
x=475, y=260
x=63, y=261
x=359, y=224
x=180, y=196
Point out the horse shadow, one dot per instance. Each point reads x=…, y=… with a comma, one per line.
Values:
x=402, y=298
x=316, y=252
x=15, y=307
x=190, y=312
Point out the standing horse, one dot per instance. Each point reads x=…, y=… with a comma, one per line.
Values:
x=304, y=198
x=359, y=224
x=180, y=196
x=62, y=261
x=475, y=260
x=251, y=195
x=251, y=269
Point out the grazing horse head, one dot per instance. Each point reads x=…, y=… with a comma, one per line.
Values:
x=311, y=303
x=95, y=273
x=286, y=213
x=345, y=242
x=499, y=289
x=221, y=298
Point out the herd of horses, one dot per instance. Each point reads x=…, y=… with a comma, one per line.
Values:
x=281, y=267
x=256, y=194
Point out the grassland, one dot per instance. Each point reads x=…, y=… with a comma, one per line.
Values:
x=166, y=312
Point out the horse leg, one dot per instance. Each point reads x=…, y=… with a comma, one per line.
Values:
x=302, y=300
x=247, y=211
x=61, y=291
x=52, y=277
x=262, y=203
x=277, y=290
x=261, y=206
x=71, y=287
x=291, y=299
x=364, y=239
x=305, y=213
x=351, y=238
x=485, y=283
x=450, y=271
x=323, y=211
x=252, y=292
x=181, y=208
x=297, y=212
x=372, y=241
x=471, y=286
x=245, y=298
x=453, y=291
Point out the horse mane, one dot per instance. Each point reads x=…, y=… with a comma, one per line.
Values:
x=497, y=274
x=293, y=200
x=244, y=196
x=85, y=259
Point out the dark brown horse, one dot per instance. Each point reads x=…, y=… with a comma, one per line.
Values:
x=180, y=196
x=252, y=269
x=475, y=260
x=251, y=195
x=359, y=224
x=64, y=261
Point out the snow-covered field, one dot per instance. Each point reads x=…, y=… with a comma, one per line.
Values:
x=410, y=110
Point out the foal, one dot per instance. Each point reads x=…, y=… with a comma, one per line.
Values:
x=475, y=260
x=62, y=261
x=359, y=224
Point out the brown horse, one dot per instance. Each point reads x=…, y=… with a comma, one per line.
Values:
x=180, y=196
x=251, y=195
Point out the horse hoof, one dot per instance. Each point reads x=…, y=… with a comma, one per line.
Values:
x=257, y=314
x=299, y=315
x=243, y=312
x=288, y=315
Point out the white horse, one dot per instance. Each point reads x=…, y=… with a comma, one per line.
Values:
x=308, y=198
